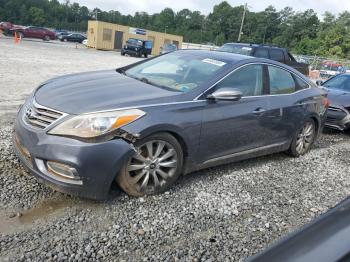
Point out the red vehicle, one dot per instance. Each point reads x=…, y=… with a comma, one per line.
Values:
x=4, y=26
x=35, y=32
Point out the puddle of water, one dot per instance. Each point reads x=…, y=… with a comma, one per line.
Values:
x=43, y=212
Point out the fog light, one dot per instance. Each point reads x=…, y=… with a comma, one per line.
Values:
x=62, y=170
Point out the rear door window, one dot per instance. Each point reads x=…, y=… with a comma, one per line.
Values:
x=277, y=55
x=261, y=52
x=281, y=81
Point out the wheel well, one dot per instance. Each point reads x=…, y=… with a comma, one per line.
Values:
x=317, y=125
x=181, y=141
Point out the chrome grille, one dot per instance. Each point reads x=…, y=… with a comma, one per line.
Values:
x=39, y=116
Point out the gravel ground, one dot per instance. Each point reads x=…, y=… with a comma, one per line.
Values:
x=224, y=213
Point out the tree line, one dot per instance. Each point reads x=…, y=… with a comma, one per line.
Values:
x=301, y=32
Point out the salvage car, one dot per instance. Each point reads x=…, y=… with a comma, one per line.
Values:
x=338, y=88
x=77, y=38
x=329, y=69
x=264, y=51
x=34, y=32
x=144, y=124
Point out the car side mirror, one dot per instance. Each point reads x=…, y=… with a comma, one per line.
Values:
x=226, y=93
x=319, y=82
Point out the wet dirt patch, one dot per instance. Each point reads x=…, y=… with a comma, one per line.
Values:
x=21, y=220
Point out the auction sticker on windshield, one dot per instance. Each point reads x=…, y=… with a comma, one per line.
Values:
x=214, y=62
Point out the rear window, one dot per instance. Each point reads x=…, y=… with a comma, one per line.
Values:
x=277, y=55
x=281, y=81
x=261, y=52
x=236, y=49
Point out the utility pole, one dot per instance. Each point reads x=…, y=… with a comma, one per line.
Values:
x=96, y=12
x=243, y=17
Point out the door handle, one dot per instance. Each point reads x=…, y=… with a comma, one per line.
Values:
x=259, y=111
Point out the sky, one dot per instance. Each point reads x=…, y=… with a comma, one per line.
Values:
x=155, y=6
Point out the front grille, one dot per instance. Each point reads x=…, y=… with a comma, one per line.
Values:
x=39, y=116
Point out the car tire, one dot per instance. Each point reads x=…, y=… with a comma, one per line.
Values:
x=145, y=55
x=46, y=38
x=20, y=35
x=154, y=168
x=65, y=40
x=123, y=54
x=303, y=139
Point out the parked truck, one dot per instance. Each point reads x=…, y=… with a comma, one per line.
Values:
x=270, y=52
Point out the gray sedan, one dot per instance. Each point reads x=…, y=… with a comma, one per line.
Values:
x=145, y=124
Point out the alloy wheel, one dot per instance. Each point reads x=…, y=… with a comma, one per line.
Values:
x=153, y=165
x=305, y=138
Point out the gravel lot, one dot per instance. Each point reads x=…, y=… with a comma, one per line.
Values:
x=224, y=213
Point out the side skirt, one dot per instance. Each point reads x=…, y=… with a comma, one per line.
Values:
x=251, y=153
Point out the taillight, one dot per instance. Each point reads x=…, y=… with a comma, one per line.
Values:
x=325, y=102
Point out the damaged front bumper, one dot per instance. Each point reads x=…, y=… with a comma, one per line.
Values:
x=338, y=118
x=96, y=165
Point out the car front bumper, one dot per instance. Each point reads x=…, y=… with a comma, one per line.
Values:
x=97, y=164
x=338, y=118
x=131, y=52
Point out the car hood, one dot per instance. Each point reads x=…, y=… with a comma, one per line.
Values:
x=339, y=97
x=96, y=91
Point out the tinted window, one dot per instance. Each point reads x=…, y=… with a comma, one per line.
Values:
x=281, y=81
x=276, y=55
x=248, y=79
x=261, y=52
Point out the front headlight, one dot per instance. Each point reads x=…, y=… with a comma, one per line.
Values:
x=96, y=124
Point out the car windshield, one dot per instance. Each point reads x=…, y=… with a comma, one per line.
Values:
x=340, y=82
x=237, y=49
x=176, y=71
x=134, y=42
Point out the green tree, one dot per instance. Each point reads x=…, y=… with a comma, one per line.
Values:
x=36, y=16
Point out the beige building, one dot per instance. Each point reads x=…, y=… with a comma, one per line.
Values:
x=107, y=36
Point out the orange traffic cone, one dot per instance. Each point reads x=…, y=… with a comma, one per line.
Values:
x=17, y=38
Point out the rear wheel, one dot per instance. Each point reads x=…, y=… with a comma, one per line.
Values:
x=20, y=35
x=303, y=139
x=154, y=168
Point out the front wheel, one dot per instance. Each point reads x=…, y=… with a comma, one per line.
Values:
x=303, y=139
x=47, y=38
x=154, y=168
